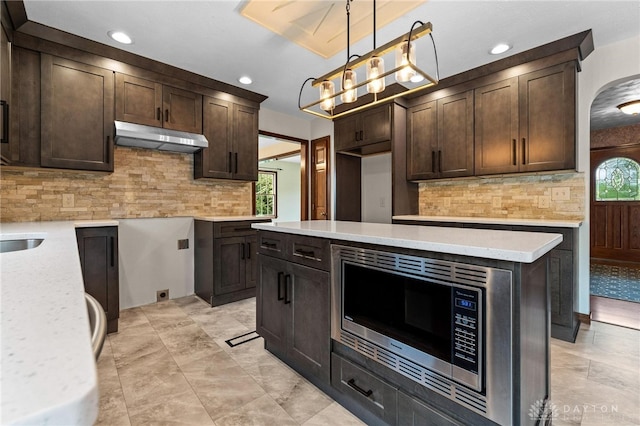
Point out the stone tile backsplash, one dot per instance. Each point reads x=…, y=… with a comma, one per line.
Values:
x=531, y=196
x=145, y=183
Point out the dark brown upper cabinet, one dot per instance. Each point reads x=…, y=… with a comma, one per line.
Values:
x=5, y=92
x=440, y=142
x=527, y=123
x=232, y=132
x=76, y=115
x=147, y=102
x=357, y=132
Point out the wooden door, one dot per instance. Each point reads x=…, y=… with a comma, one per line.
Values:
x=422, y=143
x=138, y=100
x=309, y=332
x=182, y=110
x=547, y=101
x=376, y=125
x=245, y=136
x=320, y=178
x=228, y=265
x=496, y=128
x=346, y=132
x=615, y=225
x=77, y=115
x=216, y=160
x=271, y=312
x=455, y=135
x=98, y=250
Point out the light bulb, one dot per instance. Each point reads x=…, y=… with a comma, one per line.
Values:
x=631, y=108
x=402, y=60
x=349, y=81
x=375, y=68
x=327, y=89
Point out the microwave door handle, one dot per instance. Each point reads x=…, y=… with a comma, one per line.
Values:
x=280, y=276
x=287, y=286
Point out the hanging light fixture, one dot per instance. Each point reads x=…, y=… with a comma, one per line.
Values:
x=405, y=71
x=631, y=107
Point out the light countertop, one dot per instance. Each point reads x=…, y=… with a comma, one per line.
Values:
x=48, y=372
x=551, y=223
x=515, y=246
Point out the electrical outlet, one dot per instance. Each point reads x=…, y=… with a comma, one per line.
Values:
x=183, y=244
x=496, y=202
x=561, y=194
x=68, y=200
x=162, y=295
x=544, y=202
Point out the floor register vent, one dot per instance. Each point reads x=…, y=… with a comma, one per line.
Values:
x=417, y=373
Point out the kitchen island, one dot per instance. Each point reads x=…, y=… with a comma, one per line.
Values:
x=403, y=322
x=48, y=368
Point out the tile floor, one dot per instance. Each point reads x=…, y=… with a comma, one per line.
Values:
x=169, y=364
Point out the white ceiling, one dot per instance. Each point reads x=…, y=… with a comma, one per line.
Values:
x=211, y=38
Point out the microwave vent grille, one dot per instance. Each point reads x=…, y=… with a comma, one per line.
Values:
x=474, y=401
x=418, y=266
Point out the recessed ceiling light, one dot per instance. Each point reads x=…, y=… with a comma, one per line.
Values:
x=245, y=79
x=120, y=37
x=500, y=48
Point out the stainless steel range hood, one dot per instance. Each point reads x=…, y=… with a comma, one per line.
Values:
x=139, y=136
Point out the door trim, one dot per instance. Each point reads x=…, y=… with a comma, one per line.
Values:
x=326, y=139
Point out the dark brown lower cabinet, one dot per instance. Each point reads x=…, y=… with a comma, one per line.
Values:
x=98, y=249
x=293, y=314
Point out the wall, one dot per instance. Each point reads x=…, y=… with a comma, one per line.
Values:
x=145, y=183
x=605, y=67
x=505, y=196
x=615, y=136
x=149, y=259
x=376, y=188
x=288, y=190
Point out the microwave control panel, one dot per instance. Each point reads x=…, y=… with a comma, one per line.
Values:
x=466, y=328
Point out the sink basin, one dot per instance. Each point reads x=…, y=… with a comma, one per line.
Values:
x=17, y=245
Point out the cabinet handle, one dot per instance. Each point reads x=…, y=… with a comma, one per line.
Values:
x=287, y=285
x=159, y=114
x=236, y=163
x=166, y=115
x=242, y=254
x=524, y=151
x=5, y=122
x=514, y=148
x=229, y=169
x=352, y=385
x=305, y=253
x=113, y=252
x=361, y=135
x=248, y=250
x=433, y=161
x=439, y=161
x=280, y=276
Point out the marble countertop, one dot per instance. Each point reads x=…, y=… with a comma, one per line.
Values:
x=552, y=223
x=515, y=246
x=48, y=372
x=231, y=218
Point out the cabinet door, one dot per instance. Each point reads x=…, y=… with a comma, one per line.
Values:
x=98, y=249
x=346, y=132
x=245, y=137
x=309, y=339
x=251, y=257
x=455, y=135
x=547, y=118
x=77, y=115
x=182, y=110
x=376, y=125
x=560, y=277
x=496, y=128
x=5, y=91
x=271, y=312
x=228, y=265
x=138, y=100
x=216, y=160
x=422, y=143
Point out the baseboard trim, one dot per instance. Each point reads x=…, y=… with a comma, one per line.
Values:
x=584, y=318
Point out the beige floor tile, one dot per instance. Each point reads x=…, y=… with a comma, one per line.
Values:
x=166, y=316
x=334, y=414
x=188, y=343
x=263, y=411
x=131, y=317
x=191, y=304
x=113, y=408
x=219, y=325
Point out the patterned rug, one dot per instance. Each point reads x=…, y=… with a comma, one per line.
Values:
x=615, y=282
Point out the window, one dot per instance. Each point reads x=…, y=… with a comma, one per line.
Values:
x=266, y=198
x=617, y=179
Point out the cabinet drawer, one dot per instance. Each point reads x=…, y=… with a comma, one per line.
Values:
x=309, y=251
x=370, y=391
x=272, y=243
x=232, y=229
